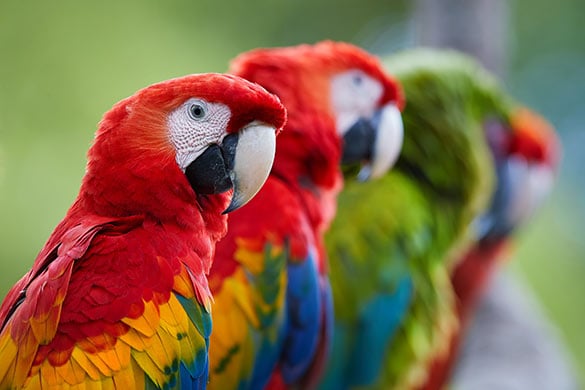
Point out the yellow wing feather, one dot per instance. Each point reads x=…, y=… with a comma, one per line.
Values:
x=237, y=315
x=155, y=341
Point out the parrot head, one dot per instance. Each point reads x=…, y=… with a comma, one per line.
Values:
x=180, y=142
x=342, y=108
x=526, y=155
x=445, y=152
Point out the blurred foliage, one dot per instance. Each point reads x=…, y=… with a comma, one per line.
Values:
x=64, y=65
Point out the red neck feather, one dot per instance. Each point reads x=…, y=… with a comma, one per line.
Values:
x=142, y=179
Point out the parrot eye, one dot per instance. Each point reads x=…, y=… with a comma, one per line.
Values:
x=197, y=111
x=357, y=80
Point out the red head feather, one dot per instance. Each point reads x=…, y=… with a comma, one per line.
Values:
x=131, y=166
x=308, y=152
x=534, y=138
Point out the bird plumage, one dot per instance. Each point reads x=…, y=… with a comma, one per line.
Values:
x=118, y=296
x=276, y=332
x=393, y=240
x=526, y=156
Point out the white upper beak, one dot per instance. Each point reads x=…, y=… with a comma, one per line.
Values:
x=252, y=163
x=388, y=143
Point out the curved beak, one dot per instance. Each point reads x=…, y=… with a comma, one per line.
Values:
x=388, y=143
x=374, y=142
x=521, y=190
x=241, y=162
x=254, y=155
x=525, y=159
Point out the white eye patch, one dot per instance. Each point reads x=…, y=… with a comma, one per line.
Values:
x=191, y=135
x=536, y=183
x=354, y=94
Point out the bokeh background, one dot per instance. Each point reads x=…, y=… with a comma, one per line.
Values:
x=63, y=64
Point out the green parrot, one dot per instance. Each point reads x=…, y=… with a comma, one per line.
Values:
x=394, y=240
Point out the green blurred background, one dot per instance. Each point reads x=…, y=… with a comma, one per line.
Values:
x=62, y=66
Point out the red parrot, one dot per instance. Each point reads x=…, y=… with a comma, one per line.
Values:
x=272, y=314
x=526, y=160
x=118, y=296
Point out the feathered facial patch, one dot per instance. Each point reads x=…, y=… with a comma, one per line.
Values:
x=372, y=132
x=354, y=94
x=195, y=125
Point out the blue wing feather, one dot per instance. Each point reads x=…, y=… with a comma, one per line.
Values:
x=303, y=299
x=357, y=353
x=380, y=319
x=334, y=378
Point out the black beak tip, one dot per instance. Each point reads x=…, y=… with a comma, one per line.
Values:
x=230, y=208
x=234, y=204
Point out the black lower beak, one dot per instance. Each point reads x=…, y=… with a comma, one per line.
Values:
x=211, y=172
x=359, y=140
x=497, y=223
